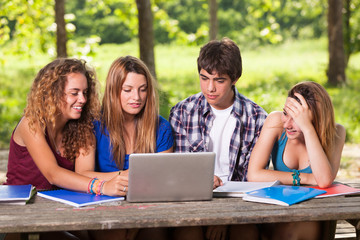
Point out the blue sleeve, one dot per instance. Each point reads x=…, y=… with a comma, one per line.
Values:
x=164, y=135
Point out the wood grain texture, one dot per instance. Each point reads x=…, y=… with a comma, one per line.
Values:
x=46, y=215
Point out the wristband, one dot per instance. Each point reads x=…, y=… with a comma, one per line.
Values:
x=296, y=177
x=101, y=187
x=93, y=180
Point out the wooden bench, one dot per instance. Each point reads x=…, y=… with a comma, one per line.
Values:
x=350, y=229
x=345, y=231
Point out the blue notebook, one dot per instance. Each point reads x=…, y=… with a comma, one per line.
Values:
x=16, y=194
x=282, y=195
x=77, y=199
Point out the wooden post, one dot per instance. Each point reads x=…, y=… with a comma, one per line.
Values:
x=213, y=19
x=60, y=28
x=336, y=68
x=146, y=34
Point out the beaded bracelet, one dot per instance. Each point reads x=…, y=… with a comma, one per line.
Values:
x=89, y=188
x=96, y=188
x=92, y=181
x=101, y=187
x=296, y=177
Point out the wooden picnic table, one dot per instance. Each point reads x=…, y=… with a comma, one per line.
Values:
x=46, y=215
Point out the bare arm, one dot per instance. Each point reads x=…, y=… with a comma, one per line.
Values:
x=45, y=160
x=116, y=182
x=85, y=165
x=324, y=168
x=260, y=155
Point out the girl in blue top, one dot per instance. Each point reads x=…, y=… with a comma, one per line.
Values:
x=130, y=123
x=306, y=146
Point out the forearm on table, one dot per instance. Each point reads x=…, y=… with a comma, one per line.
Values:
x=322, y=170
x=266, y=175
x=100, y=175
x=68, y=179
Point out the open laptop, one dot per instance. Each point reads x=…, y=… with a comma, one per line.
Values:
x=158, y=177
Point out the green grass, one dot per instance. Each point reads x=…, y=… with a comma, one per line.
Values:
x=268, y=73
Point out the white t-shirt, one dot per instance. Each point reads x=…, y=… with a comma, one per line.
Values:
x=220, y=135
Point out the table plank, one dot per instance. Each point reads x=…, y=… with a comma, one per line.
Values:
x=47, y=215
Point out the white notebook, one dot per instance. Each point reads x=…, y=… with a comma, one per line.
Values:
x=238, y=189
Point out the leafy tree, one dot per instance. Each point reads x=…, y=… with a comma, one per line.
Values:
x=114, y=21
x=351, y=27
x=28, y=24
x=255, y=22
x=187, y=20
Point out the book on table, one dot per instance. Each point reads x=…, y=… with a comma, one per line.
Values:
x=77, y=199
x=16, y=194
x=337, y=189
x=238, y=189
x=283, y=195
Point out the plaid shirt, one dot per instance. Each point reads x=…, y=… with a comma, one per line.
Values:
x=192, y=119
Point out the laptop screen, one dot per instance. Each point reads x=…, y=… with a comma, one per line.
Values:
x=171, y=177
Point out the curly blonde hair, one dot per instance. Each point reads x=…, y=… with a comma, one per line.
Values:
x=46, y=97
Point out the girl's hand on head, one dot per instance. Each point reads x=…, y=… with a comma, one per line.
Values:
x=300, y=113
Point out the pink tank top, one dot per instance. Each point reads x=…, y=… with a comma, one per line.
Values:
x=23, y=170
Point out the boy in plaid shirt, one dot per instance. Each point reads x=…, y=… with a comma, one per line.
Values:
x=219, y=119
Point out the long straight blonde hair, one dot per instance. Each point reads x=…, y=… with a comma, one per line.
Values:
x=113, y=116
x=321, y=107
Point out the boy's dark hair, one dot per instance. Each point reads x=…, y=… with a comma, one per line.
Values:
x=221, y=56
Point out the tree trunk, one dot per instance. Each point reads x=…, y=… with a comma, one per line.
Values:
x=336, y=68
x=146, y=34
x=60, y=28
x=347, y=31
x=213, y=19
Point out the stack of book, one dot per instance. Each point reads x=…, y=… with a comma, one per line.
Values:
x=16, y=194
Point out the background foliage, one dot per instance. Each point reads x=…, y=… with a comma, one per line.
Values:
x=282, y=42
x=265, y=80
x=186, y=21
